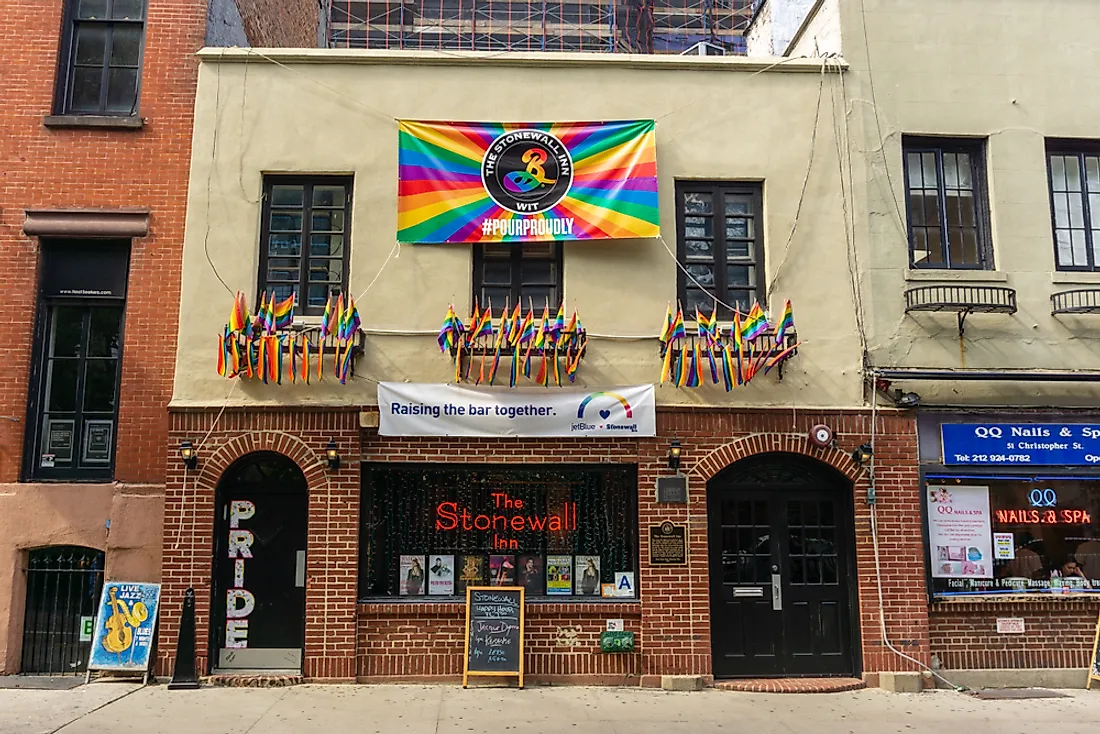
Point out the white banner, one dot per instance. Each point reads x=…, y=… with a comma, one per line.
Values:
x=959, y=534
x=422, y=409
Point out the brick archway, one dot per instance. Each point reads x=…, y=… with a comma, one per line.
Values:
x=278, y=442
x=763, y=443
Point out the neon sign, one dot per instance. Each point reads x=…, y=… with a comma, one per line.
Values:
x=451, y=516
x=1043, y=498
x=1044, y=517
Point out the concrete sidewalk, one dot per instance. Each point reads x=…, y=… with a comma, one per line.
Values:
x=103, y=707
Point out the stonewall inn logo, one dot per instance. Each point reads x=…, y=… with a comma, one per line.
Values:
x=527, y=171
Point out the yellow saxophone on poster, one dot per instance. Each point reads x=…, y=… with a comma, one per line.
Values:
x=122, y=623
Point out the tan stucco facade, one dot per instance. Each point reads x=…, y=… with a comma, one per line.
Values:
x=40, y=515
x=1015, y=75
x=330, y=111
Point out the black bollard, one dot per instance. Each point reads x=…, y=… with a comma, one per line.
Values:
x=184, y=675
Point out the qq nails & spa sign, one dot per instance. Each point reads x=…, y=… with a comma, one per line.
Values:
x=1027, y=444
x=960, y=535
x=420, y=409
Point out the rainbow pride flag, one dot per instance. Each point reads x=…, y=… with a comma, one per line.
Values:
x=526, y=182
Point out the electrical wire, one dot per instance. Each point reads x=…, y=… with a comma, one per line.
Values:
x=878, y=562
x=805, y=182
x=844, y=154
x=394, y=254
x=312, y=80
x=874, y=110
x=690, y=277
x=210, y=178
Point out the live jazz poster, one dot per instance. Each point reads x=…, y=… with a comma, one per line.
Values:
x=124, y=627
x=526, y=182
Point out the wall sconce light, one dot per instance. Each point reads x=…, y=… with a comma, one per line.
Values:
x=862, y=454
x=674, y=451
x=190, y=455
x=333, y=455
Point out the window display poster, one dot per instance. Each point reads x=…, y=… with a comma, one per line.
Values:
x=588, y=575
x=502, y=570
x=1004, y=546
x=412, y=575
x=471, y=572
x=960, y=536
x=441, y=576
x=559, y=575
x=531, y=575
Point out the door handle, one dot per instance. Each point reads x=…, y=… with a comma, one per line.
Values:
x=300, y=569
x=777, y=593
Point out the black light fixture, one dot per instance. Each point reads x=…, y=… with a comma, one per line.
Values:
x=332, y=454
x=906, y=399
x=190, y=455
x=674, y=451
x=862, y=454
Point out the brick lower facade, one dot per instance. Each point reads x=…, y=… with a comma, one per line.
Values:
x=1057, y=634
x=671, y=620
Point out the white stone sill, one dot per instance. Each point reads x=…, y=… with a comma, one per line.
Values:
x=956, y=276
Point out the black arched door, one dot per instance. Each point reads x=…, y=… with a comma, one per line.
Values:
x=258, y=610
x=782, y=569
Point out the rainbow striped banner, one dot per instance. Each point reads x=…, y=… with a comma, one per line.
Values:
x=526, y=182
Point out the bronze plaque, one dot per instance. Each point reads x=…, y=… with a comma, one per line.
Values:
x=668, y=544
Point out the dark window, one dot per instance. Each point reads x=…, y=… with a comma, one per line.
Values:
x=1075, y=206
x=304, y=241
x=78, y=397
x=947, y=204
x=492, y=521
x=720, y=245
x=101, y=50
x=529, y=274
x=73, y=403
x=1044, y=533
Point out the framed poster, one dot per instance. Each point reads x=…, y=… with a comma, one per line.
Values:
x=559, y=575
x=441, y=576
x=960, y=536
x=97, y=442
x=59, y=440
x=411, y=570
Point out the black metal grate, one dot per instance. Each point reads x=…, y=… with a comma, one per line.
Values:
x=1080, y=300
x=63, y=585
x=961, y=299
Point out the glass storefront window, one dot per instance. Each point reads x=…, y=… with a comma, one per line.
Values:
x=1044, y=536
x=559, y=532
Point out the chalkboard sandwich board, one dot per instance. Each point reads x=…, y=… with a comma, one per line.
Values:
x=494, y=632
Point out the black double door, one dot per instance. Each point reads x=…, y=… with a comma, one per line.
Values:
x=782, y=581
x=258, y=615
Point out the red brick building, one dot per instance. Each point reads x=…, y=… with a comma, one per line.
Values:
x=94, y=157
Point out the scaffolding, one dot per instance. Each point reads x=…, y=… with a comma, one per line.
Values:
x=601, y=26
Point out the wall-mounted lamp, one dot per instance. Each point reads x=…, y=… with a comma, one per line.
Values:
x=906, y=399
x=674, y=451
x=190, y=455
x=862, y=454
x=333, y=455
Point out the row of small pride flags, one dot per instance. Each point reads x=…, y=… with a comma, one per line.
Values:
x=260, y=347
x=557, y=342
x=735, y=355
